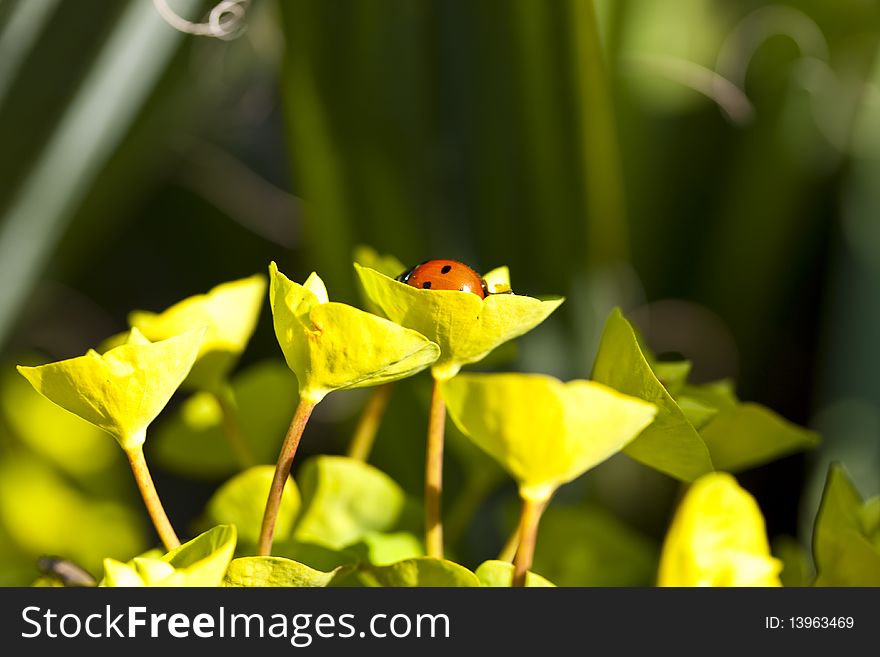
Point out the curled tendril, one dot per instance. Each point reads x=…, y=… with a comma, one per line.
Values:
x=759, y=26
x=225, y=21
x=725, y=83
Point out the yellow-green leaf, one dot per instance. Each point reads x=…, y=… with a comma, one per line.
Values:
x=672, y=374
x=200, y=562
x=278, y=572
x=542, y=431
x=717, y=538
x=500, y=573
x=465, y=326
x=382, y=549
x=845, y=541
x=241, y=501
x=343, y=500
x=498, y=280
x=331, y=346
x=749, y=435
x=367, y=256
x=229, y=311
x=123, y=390
x=421, y=571
x=670, y=444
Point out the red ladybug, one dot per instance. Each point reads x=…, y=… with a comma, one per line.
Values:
x=445, y=275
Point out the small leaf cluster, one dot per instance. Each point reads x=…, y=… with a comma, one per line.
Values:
x=344, y=522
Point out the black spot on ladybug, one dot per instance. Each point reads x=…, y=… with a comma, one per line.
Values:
x=446, y=269
x=426, y=285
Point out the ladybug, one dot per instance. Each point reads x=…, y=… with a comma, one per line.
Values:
x=445, y=275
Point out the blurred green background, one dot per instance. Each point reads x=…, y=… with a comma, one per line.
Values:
x=711, y=166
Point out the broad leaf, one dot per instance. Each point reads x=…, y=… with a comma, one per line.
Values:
x=343, y=500
x=845, y=554
x=367, y=256
x=382, y=549
x=200, y=562
x=241, y=501
x=672, y=374
x=465, y=327
x=332, y=346
x=123, y=390
x=748, y=435
x=229, y=311
x=315, y=556
x=422, y=571
x=277, y=572
x=670, y=444
x=717, y=538
x=500, y=573
x=542, y=431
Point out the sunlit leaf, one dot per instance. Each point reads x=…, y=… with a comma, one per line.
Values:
x=422, y=571
x=343, y=500
x=670, y=444
x=367, y=256
x=673, y=374
x=123, y=390
x=203, y=560
x=241, y=501
x=498, y=280
x=845, y=554
x=382, y=549
x=717, y=538
x=500, y=573
x=276, y=571
x=331, y=346
x=749, y=435
x=465, y=326
x=385, y=263
x=542, y=431
x=315, y=556
x=200, y=562
x=697, y=413
x=717, y=394
x=229, y=311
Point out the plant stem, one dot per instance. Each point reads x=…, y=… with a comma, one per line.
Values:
x=282, y=471
x=434, y=474
x=528, y=534
x=508, y=552
x=151, y=497
x=368, y=425
x=232, y=428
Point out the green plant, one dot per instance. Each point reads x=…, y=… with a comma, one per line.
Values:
x=343, y=522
